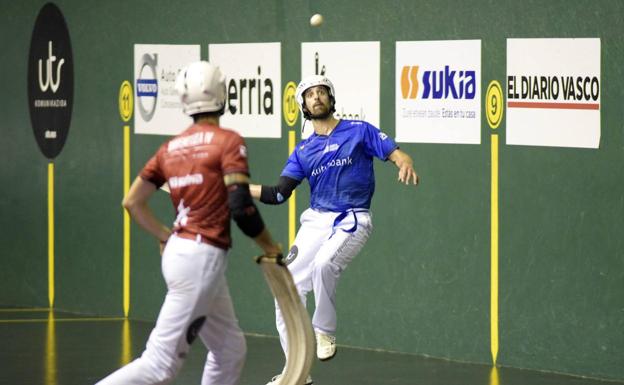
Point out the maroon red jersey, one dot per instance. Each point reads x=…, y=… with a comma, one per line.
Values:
x=193, y=164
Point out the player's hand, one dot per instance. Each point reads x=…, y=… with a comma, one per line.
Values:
x=405, y=164
x=273, y=249
x=272, y=254
x=407, y=174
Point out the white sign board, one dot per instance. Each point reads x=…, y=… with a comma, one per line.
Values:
x=158, y=109
x=353, y=68
x=438, y=91
x=253, y=87
x=553, y=92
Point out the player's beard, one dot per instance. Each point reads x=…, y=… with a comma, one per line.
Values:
x=320, y=111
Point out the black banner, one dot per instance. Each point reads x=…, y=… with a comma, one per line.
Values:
x=50, y=80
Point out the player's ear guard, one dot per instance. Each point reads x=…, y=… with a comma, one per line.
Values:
x=244, y=211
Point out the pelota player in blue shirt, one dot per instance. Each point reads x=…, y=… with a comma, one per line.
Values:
x=337, y=160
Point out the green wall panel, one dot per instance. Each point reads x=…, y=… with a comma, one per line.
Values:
x=421, y=284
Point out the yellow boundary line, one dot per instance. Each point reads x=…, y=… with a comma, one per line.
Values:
x=292, y=202
x=51, y=234
x=42, y=320
x=494, y=378
x=126, y=343
x=50, y=349
x=494, y=253
x=126, y=223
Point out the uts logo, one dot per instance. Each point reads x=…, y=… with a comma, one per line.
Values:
x=438, y=84
x=147, y=86
x=50, y=80
x=49, y=71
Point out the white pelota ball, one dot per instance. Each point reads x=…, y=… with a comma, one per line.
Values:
x=316, y=20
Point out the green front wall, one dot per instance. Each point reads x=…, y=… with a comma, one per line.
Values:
x=422, y=283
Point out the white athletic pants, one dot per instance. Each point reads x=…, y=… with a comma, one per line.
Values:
x=196, y=290
x=322, y=250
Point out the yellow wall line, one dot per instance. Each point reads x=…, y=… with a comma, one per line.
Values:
x=494, y=253
x=50, y=360
x=126, y=223
x=292, y=202
x=126, y=343
x=35, y=320
x=51, y=234
x=494, y=378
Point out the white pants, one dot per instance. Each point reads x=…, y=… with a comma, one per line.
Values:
x=197, y=303
x=321, y=252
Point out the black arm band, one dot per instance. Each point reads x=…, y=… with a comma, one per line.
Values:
x=275, y=195
x=243, y=210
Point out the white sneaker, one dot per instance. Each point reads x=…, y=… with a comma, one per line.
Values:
x=325, y=346
x=276, y=380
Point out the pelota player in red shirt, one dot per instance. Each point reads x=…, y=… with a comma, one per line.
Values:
x=208, y=176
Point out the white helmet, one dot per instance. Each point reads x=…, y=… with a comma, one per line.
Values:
x=312, y=81
x=201, y=87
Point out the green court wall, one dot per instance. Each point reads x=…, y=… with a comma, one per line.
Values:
x=422, y=283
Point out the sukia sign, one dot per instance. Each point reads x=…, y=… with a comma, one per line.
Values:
x=50, y=80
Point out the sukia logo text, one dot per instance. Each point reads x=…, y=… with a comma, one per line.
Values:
x=49, y=72
x=440, y=84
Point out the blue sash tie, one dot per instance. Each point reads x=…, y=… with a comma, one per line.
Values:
x=342, y=216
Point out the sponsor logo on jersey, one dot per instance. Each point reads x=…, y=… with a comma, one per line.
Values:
x=340, y=162
x=182, y=217
x=186, y=180
x=197, y=139
x=330, y=148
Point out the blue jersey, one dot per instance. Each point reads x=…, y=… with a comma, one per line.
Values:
x=339, y=166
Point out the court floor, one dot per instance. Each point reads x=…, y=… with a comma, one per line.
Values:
x=55, y=348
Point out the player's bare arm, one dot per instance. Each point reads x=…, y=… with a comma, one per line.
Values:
x=245, y=213
x=405, y=165
x=136, y=204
